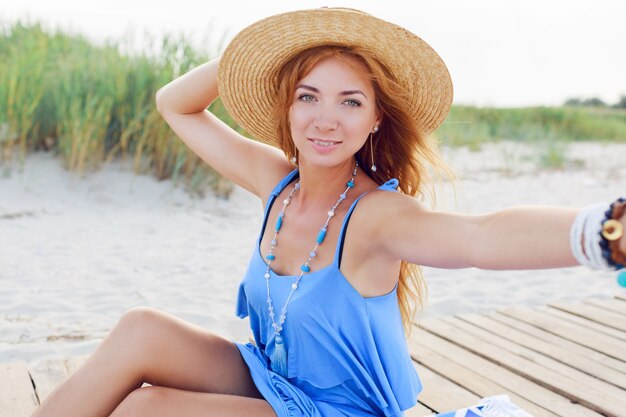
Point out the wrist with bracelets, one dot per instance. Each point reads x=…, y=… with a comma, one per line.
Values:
x=595, y=237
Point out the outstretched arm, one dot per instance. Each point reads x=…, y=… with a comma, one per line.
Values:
x=513, y=238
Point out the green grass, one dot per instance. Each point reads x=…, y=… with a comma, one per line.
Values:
x=89, y=104
x=548, y=129
x=471, y=126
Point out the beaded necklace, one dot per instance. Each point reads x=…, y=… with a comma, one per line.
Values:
x=279, y=357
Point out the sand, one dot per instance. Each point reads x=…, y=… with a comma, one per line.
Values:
x=78, y=252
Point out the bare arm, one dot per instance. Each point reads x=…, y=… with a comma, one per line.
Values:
x=183, y=104
x=513, y=238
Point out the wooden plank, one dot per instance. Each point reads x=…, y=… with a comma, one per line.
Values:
x=612, y=304
x=46, y=376
x=442, y=395
x=590, y=382
x=603, y=401
x=17, y=395
x=584, y=322
x=593, y=313
x=583, y=336
x=470, y=380
x=513, y=382
x=564, y=357
x=555, y=340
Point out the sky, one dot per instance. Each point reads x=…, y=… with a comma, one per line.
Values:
x=499, y=53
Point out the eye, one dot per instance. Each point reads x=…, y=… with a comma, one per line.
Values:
x=306, y=97
x=353, y=103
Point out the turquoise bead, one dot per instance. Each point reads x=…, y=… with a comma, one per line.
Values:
x=270, y=257
x=350, y=184
x=305, y=268
x=321, y=236
x=621, y=279
x=279, y=223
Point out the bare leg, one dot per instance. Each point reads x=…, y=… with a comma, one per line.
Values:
x=154, y=347
x=170, y=402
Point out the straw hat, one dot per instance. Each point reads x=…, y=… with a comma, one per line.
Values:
x=248, y=70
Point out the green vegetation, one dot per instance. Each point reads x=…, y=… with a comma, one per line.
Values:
x=548, y=129
x=595, y=102
x=90, y=104
x=470, y=126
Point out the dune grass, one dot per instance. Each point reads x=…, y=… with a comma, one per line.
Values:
x=549, y=129
x=470, y=126
x=90, y=104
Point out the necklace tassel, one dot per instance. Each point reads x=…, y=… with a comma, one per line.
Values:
x=279, y=357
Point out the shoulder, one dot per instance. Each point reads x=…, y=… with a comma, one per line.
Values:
x=379, y=212
x=379, y=204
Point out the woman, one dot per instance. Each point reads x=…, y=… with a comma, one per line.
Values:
x=348, y=100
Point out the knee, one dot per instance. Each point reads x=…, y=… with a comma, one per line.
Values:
x=139, y=318
x=139, y=325
x=141, y=402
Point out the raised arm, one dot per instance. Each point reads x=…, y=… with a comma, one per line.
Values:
x=183, y=104
x=513, y=238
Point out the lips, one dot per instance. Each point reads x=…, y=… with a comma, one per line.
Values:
x=324, y=146
x=324, y=142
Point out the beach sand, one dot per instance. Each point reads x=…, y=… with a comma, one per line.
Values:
x=78, y=252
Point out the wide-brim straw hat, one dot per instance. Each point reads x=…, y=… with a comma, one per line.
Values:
x=249, y=67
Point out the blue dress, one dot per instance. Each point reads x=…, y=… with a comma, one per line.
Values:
x=346, y=354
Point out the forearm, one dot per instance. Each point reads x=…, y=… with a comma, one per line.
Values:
x=524, y=238
x=190, y=93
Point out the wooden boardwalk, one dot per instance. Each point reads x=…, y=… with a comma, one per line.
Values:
x=564, y=359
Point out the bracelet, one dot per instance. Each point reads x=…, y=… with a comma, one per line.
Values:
x=612, y=231
x=595, y=236
x=585, y=237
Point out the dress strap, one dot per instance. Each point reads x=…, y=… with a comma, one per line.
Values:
x=275, y=192
x=390, y=185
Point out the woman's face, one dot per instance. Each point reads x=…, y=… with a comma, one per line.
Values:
x=333, y=112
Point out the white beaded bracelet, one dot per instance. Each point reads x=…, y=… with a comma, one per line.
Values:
x=585, y=237
x=592, y=238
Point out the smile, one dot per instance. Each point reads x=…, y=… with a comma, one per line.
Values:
x=324, y=143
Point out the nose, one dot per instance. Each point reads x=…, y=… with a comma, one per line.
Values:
x=325, y=119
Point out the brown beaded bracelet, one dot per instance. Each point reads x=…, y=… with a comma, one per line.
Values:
x=613, y=230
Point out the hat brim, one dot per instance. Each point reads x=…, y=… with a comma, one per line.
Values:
x=249, y=67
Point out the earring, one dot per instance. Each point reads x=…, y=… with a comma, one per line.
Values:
x=294, y=158
x=372, y=147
